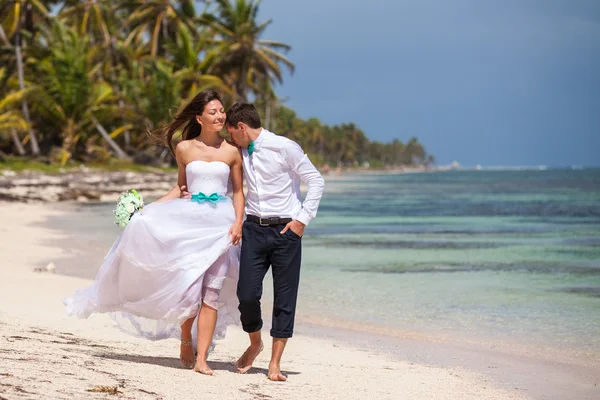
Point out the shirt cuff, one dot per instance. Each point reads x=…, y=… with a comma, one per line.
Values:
x=303, y=217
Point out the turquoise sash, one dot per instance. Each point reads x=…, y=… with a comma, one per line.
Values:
x=213, y=198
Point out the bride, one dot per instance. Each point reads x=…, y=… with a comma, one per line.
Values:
x=178, y=259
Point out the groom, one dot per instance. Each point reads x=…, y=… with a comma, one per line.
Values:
x=272, y=233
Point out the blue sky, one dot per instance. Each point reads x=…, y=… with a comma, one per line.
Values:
x=496, y=82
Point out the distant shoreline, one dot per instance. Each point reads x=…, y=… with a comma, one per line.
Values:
x=81, y=185
x=84, y=184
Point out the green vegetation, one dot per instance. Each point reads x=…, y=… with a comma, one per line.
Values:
x=84, y=81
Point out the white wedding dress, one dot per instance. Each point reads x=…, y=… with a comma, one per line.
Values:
x=171, y=256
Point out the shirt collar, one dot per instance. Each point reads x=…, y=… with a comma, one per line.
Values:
x=260, y=138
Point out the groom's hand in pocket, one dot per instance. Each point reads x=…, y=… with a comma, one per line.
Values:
x=296, y=226
x=184, y=194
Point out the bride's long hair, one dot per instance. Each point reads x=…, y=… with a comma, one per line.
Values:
x=185, y=119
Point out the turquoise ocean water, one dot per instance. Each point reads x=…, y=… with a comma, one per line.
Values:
x=511, y=254
x=475, y=254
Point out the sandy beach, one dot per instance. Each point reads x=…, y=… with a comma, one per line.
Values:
x=46, y=355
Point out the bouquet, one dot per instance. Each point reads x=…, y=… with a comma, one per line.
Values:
x=128, y=204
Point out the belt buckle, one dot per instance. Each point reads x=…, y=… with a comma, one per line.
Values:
x=260, y=221
x=270, y=219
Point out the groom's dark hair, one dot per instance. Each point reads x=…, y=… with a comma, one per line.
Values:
x=243, y=112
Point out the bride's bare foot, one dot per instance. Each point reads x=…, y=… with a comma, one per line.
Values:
x=245, y=361
x=275, y=374
x=186, y=353
x=202, y=367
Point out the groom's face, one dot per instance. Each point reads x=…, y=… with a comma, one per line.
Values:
x=238, y=134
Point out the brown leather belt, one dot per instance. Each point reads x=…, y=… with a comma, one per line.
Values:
x=268, y=221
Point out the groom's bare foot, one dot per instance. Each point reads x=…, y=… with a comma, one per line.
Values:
x=244, y=363
x=202, y=367
x=186, y=353
x=275, y=374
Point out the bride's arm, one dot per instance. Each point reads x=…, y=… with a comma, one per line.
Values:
x=181, y=178
x=238, y=197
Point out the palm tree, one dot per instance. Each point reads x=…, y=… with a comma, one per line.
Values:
x=21, y=15
x=3, y=36
x=430, y=160
x=69, y=94
x=109, y=70
x=317, y=137
x=266, y=100
x=160, y=93
x=158, y=19
x=398, y=154
x=414, y=152
x=186, y=52
x=89, y=17
x=11, y=120
x=239, y=54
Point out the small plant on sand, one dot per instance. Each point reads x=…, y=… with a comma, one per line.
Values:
x=106, y=389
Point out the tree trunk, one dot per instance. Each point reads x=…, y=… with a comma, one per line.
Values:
x=165, y=36
x=3, y=37
x=127, y=137
x=268, y=114
x=17, y=142
x=163, y=155
x=113, y=145
x=240, y=86
x=126, y=134
x=35, y=148
x=273, y=121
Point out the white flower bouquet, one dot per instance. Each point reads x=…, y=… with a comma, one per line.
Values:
x=128, y=204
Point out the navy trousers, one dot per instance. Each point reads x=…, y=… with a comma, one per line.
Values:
x=264, y=247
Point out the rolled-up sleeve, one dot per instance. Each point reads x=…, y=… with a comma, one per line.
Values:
x=299, y=162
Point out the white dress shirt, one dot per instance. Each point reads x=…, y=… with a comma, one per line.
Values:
x=273, y=173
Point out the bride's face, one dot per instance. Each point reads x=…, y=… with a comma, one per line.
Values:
x=213, y=116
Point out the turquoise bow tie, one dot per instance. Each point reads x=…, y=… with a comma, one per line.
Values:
x=201, y=197
x=251, y=148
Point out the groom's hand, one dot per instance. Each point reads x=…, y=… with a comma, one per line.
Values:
x=184, y=194
x=296, y=226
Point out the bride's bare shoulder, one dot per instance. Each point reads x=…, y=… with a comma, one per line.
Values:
x=233, y=152
x=184, y=145
x=230, y=148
